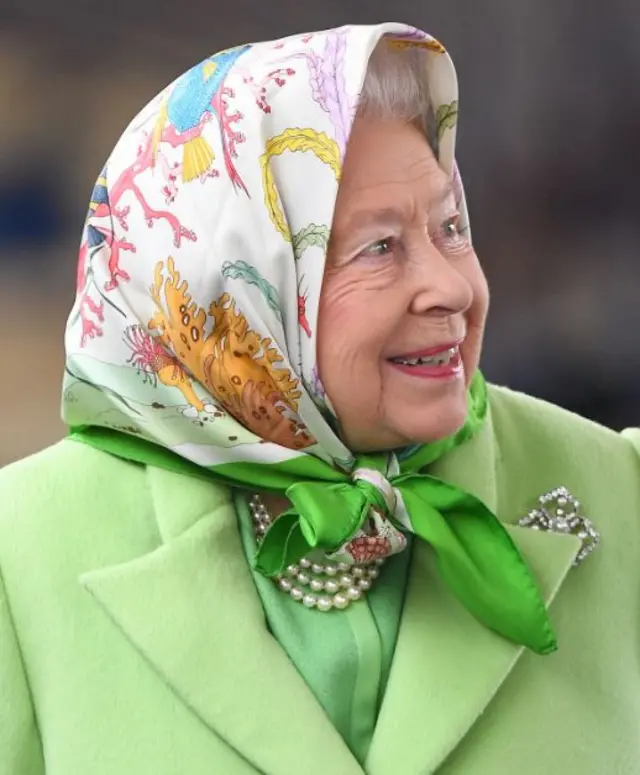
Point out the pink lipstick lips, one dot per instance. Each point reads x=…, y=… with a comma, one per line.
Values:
x=441, y=362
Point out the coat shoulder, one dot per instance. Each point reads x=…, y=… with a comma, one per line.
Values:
x=66, y=484
x=535, y=437
x=76, y=504
x=68, y=509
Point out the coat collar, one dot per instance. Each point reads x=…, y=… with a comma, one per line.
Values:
x=447, y=667
x=191, y=609
x=233, y=675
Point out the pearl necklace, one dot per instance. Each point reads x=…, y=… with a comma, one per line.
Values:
x=318, y=585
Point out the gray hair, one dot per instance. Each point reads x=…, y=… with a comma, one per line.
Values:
x=396, y=86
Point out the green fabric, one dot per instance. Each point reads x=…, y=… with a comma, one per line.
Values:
x=133, y=641
x=476, y=557
x=344, y=656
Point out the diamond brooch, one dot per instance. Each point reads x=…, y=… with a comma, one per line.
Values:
x=558, y=511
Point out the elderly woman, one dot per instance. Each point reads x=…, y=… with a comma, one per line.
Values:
x=292, y=529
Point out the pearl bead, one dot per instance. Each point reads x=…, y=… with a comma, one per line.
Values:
x=346, y=583
x=331, y=586
x=341, y=601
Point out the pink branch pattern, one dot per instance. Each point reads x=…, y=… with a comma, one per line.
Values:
x=86, y=304
x=259, y=89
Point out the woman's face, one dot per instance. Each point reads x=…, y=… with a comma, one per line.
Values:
x=400, y=282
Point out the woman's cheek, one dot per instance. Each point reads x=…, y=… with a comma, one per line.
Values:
x=354, y=300
x=342, y=325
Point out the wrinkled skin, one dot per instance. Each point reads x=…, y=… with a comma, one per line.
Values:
x=400, y=278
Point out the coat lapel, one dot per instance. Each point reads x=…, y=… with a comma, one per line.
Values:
x=447, y=667
x=191, y=609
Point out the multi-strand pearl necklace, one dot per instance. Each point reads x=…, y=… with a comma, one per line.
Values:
x=314, y=584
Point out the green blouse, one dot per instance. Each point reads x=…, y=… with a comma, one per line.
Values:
x=344, y=656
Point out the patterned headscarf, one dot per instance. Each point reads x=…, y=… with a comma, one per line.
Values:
x=193, y=334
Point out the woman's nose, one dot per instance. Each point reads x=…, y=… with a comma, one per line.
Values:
x=440, y=287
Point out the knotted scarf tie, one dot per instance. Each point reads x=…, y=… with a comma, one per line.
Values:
x=475, y=555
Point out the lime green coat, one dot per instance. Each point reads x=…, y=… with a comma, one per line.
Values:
x=132, y=639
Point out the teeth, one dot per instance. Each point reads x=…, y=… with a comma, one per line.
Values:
x=440, y=359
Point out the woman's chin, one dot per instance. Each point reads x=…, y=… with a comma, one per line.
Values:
x=428, y=426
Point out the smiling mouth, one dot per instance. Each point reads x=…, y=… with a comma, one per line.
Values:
x=446, y=357
x=444, y=362
x=447, y=354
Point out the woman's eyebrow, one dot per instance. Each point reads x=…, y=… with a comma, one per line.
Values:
x=393, y=216
x=442, y=194
x=362, y=219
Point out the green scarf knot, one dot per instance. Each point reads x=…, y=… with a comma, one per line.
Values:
x=474, y=554
x=324, y=516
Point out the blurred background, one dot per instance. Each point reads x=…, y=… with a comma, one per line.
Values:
x=549, y=139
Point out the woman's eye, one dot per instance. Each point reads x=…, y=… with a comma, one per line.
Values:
x=450, y=236
x=450, y=228
x=381, y=247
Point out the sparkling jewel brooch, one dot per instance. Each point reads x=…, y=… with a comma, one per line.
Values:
x=558, y=511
